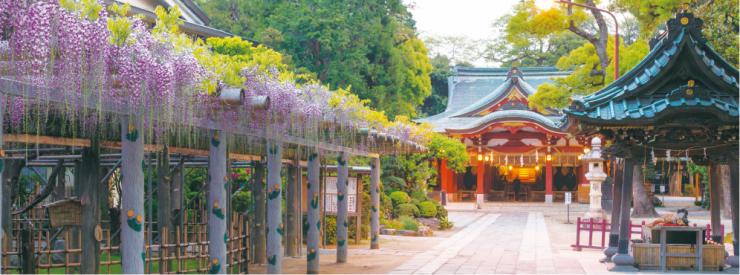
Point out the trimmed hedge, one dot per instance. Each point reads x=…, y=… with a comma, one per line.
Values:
x=400, y=197
x=427, y=209
x=407, y=209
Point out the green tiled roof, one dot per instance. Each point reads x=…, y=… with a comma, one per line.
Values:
x=474, y=88
x=658, y=85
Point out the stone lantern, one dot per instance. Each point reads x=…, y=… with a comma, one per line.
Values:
x=596, y=177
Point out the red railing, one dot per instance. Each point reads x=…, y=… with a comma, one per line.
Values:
x=600, y=229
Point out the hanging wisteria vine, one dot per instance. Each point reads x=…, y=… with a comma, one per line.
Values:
x=81, y=63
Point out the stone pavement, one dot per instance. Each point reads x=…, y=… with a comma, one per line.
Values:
x=516, y=241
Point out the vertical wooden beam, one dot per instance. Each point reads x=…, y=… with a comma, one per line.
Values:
x=342, y=207
x=623, y=260
x=715, y=189
x=293, y=208
x=275, y=227
x=314, y=225
x=733, y=259
x=217, y=204
x=479, y=186
x=548, y=181
x=132, y=201
x=375, y=201
x=443, y=181
x=617, y=170
x=88, y=182
x=3, y=194
x=260, y=208
x=164, y=205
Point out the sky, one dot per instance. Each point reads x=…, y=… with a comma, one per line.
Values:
x=471, y=19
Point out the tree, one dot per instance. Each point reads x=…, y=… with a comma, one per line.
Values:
x=370, y=46
x=721, y=21
x=458, y=49
x=437, y=101
x=520, y=46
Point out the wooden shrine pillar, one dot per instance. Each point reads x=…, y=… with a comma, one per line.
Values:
x=548, y=180
x=733, y=259
x=217, y=203
x=274, y=208
x=375, y=201
x=623, y=261
x=617, y=179
x=89, y=187
x=2, y=181
x=164, y=205
x=479, y=189
x=444, y=182
x=313, y=215
x=132, y=201
x=715, y=194
x=293, y=225
x=342, y=207
x=259, y=241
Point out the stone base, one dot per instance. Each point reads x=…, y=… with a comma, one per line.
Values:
x=609, y=253
x=623, y=263
x=595, y=214
x=732, y=261
x=479, y=198
x=548, y=198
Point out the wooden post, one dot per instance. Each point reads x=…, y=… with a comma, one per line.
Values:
x=88, y=182
x=3, y=194
x=132, y=201
x=443, y=181
x=314, y=225
x=623, y=260
x=375, y=200
x=217, y=205
x=733, y=259
x=548, y=181
x=715, y=189
x=164, y=205
x=275, y=227
x=342, y=207
x=617, y=170
x=293, y=208
x=260, y=206
x=479, y=189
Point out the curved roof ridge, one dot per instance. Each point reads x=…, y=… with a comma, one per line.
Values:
x=555, y=123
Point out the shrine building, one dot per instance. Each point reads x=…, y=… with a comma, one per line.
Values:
x=488, y=109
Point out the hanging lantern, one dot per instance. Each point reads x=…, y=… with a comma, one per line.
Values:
x=548, y=157
x=521, y=160
x=536, y=156
x=486, y=158
x=511, y=167
x=537, y=168
x=586, y=150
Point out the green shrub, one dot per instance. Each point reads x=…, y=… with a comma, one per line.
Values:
x=330, y=229
x=445, y=224
x=427, y=209
x=407, y=209
x=419, y=195
x=441, y=211
x=386, y=206
x=392, y=224
x=400, y=197
x=409, y=223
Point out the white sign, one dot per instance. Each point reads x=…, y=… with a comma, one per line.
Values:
x=568, y=198
x=330, y=195
x=662, y=189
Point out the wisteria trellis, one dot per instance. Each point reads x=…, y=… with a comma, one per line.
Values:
x=85, y=73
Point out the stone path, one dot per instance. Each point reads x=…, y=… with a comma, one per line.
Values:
x=507, y=242
x=428, y=262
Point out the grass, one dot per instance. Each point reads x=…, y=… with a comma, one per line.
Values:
x=189, y=264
